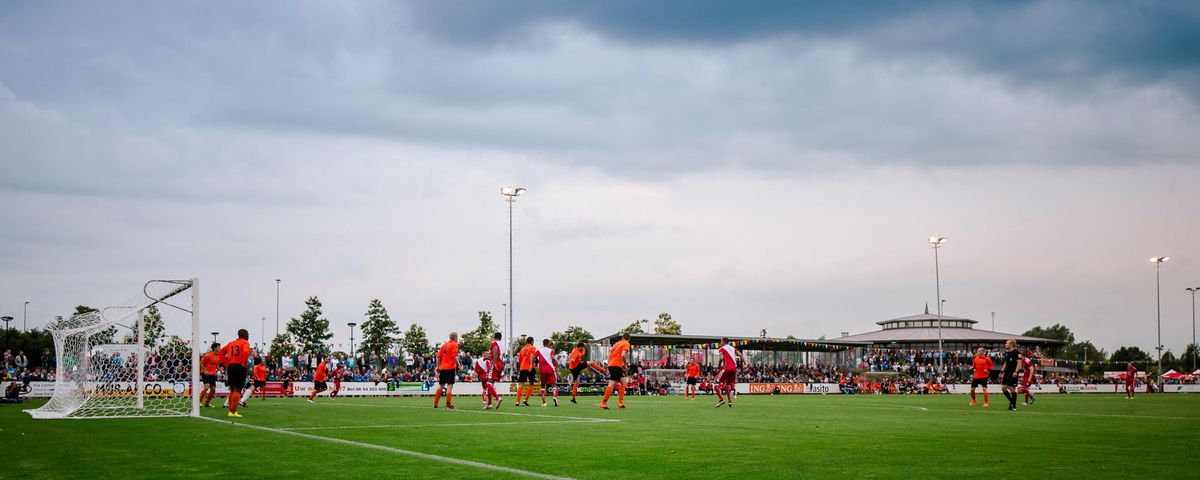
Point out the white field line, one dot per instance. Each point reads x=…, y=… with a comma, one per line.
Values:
x=476, y=424
x=481, y=412
x=1000, y=409
x=425, y=456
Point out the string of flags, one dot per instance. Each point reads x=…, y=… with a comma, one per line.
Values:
x=807, y=345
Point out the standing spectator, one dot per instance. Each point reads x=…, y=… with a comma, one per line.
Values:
x=47, y=359
x=8, y=360
x=22, y=362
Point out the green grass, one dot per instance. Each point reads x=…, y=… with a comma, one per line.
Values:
x=1086, y=436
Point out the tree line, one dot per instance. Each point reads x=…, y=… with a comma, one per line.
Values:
x=1096, y=361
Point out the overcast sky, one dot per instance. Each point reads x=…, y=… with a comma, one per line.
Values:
x=760, y=165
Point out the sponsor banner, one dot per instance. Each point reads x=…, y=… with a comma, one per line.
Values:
x=275, y=389
x=776, y=388
x=384, y=389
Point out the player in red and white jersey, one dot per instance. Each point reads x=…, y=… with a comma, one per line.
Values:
x=338, y=373
x=727, y=381
x=547, y=370
x=1130, y=380
x=1027, y=378
x=497, y=364
x=483, y=370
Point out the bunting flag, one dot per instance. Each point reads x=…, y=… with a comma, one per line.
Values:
x=806, y=345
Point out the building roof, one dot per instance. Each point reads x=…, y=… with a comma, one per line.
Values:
x=930, y=334
x=747, y=343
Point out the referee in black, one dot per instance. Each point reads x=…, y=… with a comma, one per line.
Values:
x=1008, y=376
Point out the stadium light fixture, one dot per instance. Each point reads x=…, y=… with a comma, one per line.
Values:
x=510, y=196
x=214, y=334
x=352, y=325
x=1194, y=352
x=6, y=320
x=937, y=241
x=1158, y=261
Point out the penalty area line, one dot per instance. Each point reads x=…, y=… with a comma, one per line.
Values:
x=410, y=453
x=482, y=412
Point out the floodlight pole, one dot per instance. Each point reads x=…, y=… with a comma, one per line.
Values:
x=1158, y=261
x=277, y=281
x=25, y=318
x=510, y=194
x=937, y=276
x=352, y=324
x=1194, y=347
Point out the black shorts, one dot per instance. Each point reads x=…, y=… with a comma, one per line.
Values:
x=446, y=377
x=317, y=386
x=979, y=382
x=235, y=376
x=616, y=373
x=526, y=376
x=1009, y=381
x=575, y=372
x=692, y=380
x=210, y=380
x=260, y=384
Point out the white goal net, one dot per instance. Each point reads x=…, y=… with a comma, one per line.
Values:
x=134, y=359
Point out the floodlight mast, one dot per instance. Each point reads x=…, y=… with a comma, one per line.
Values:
x=1158, y=261
x=510, y=195
x=936, y=242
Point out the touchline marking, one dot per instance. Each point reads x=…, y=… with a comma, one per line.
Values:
x=426, y=456
x=401, y=425
x=1027, y=412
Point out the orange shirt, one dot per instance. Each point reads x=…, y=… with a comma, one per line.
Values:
x=983, y=366
x=575, y=359
x=616, y=355
x=209, y=362
x=526, y=356
x=693, y=370
x=235, y=352
x=260, y=372
x=320, y=375
x=448, y=356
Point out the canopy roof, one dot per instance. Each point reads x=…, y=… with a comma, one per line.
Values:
x=746, y=343
x=956, y=335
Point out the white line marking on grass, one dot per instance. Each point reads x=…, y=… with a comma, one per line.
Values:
x=903, y=407
x=425, y=456
x=481, y=412
x=476, y=424
x=1000, y=410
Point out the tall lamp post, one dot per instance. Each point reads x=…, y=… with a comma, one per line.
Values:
x=1194, y=352
x=1158, y=261
x=6, y=320
x=25, y=318
x=510, y=196
x=937, y=242
x=352, y=324
x=277, y=306
x=262, y=333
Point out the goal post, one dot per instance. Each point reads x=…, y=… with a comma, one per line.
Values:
x=137, y=358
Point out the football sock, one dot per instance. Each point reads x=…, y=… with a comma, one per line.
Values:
x=574, y=390
x=985, y=396
x=972, y=395
x=233, y=401
x=719, y=397
x=448, y=397
x=607, y=393
x=620, y=394
x=437, y=397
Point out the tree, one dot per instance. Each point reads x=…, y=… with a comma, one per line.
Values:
x=1083, y=350
x=566, y=340
x=1169, y=360
x=1056, y=332
x=1190, y=358
x=102, y=337
x=415, y=341
x=311, y=330
x=282, y=345
x=635, y=327
x=154, y=329
x=379, y=331
x=479, y=340
x=664, y=325
x=1129, y=354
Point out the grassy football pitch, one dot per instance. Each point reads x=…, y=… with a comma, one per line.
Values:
x=1086, y=436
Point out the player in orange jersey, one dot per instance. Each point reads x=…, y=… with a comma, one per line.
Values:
x=447, y=370
x=983, y=367
x=616, y=372
x=208, y=374
x=260, y=378
x=692, y=373
x=234, y=356
x=319, y=378
x=527, y=376
x=576, y=364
